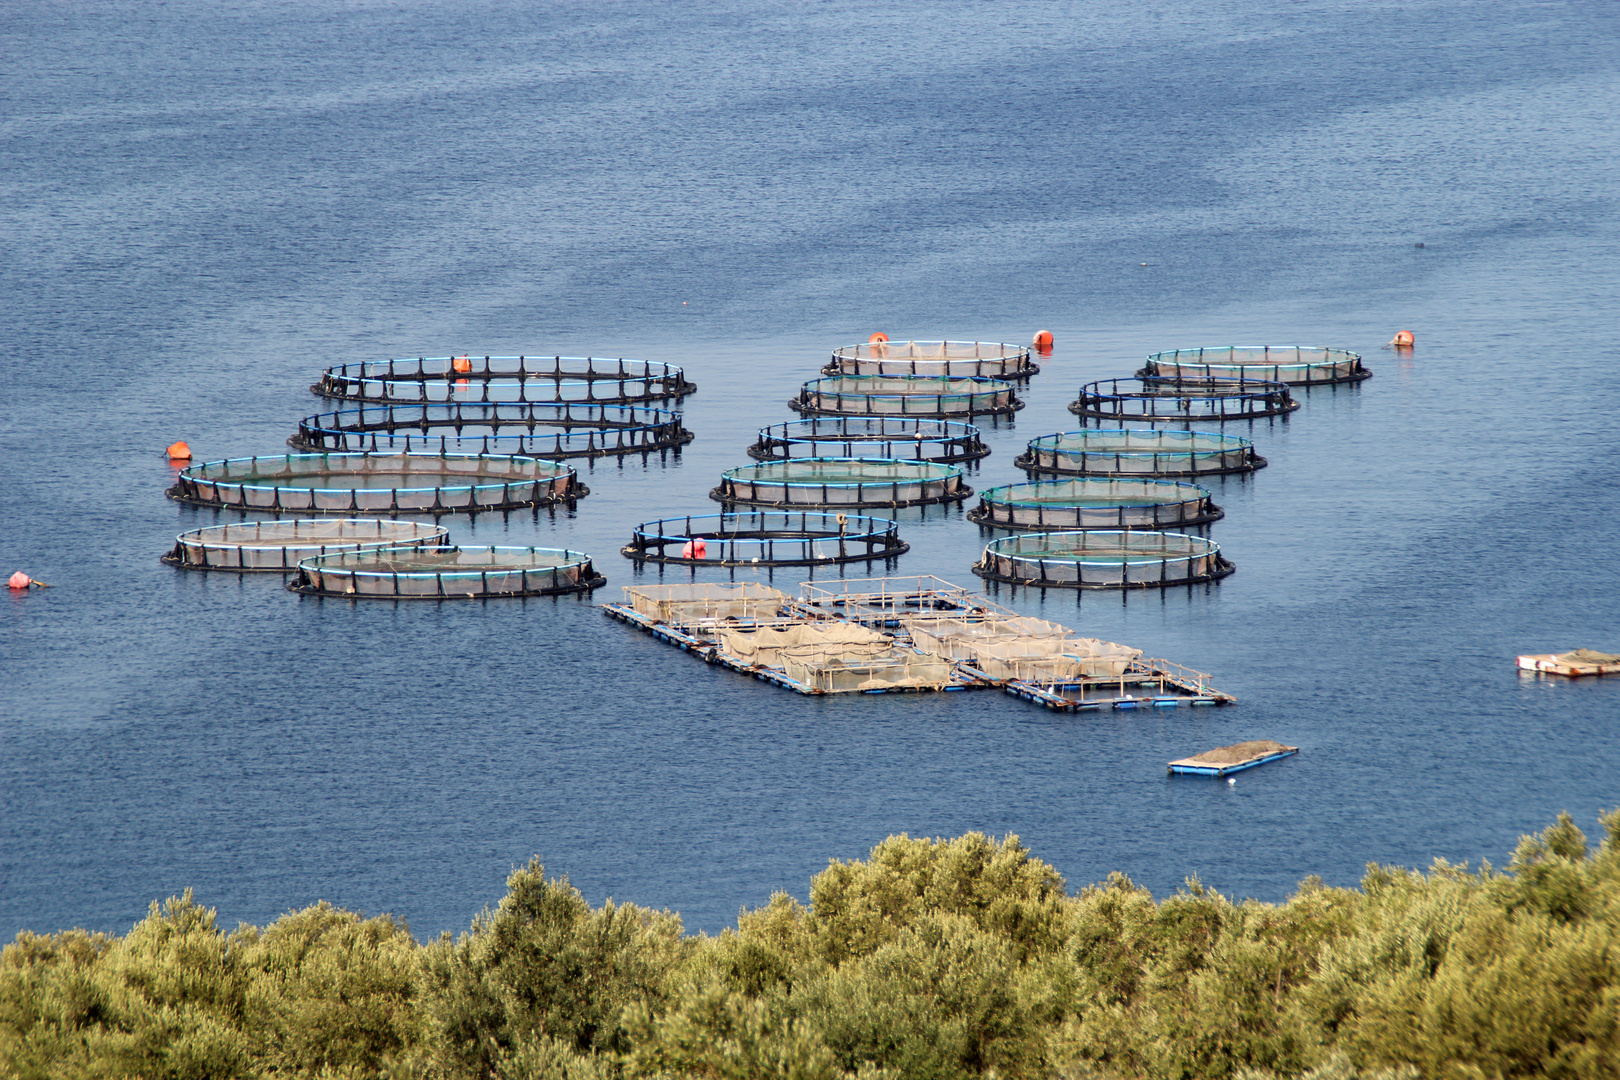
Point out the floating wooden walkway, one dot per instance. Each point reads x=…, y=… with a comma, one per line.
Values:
x=1142, y=684
x=1230, y=759
x=1573, y=664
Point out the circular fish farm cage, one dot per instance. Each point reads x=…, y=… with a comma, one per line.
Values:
x=1112, y=452
x=447, y=573
x=1103, y=560
x=842, y=482
x=532, y=430
x=279, y=546
x=1161, y=401
x=765, y=538
x=906, y=395
x=540, y=379
x=944, y=441
x=1054, y=505
x=331, y=483
x=935, y=359
x=1296, y=365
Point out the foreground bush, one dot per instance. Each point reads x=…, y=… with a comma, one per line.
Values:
x=938, y=959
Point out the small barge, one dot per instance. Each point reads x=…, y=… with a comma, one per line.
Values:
x=1573, y=664
x=1230, y=759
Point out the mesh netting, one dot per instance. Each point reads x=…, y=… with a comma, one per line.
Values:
x=849, y=670
x=765, y=538
x=378, y=483
x=446, y=573
x=937, y=359
x=1095, y=504
x=695, y=604
x=504, y=378
x=1293, y=364
x=874, y=437
x=549, y=431
x=1183, y=401
x=838, y=482
x=763, y=646
x=900, y=395
x=281, y=545
x=1015, y=647
x=1103, y=560
x=1113, y=452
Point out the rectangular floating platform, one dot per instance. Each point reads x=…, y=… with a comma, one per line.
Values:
x=1573, y=664
x=1243, y=755
x=704, y=627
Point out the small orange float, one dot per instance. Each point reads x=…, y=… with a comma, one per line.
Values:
x=877, y=337
x=695, y=549
x=1043, y=339
x=19, y=581
x=461, y=364
x=179, y=451
x=1403, y=340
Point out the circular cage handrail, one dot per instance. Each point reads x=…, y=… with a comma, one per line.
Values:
x=944, y=441
x=278, y=546
x=1096, y=504
x=607, y=430
x=504, y=378
x=473, y=483
x=1128, y=452
x=766, y=538
x=949, y=359
x=842, y=482
x=1296, y=365
x=1183, y=401
x=1103, y=560
x=906, y=396
x=447, y=573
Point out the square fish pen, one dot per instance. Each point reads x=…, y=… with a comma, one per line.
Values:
x=1296, y=365
x=551, y=431
x=888, y=601
x=842, y=483
x=1126, y=452
x=1059, y=505
x=378, y=483
x=935, y=359
x=1170, y=401
x=944, y=441
x=504, y=378
x=446, y=573
x=279, y=546
x=904, y=395
x=1103, y=560
x=696, y=604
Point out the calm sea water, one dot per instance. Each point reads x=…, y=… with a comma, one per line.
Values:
x=205, y=204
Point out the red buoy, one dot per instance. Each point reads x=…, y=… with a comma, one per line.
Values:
x=1404, y=340
x=695, y=549
x=179, y=452
x=877, y=337
x=19, y=581
x=461, y=364
x=1043, y=339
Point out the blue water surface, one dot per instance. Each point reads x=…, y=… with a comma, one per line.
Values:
x=204, y=204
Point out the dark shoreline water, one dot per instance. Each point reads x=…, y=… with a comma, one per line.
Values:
x=212, y=205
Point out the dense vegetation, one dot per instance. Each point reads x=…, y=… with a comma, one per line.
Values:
x=931, y=959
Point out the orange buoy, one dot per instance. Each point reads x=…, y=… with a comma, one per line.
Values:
x=461, y=364
x=695, y=549
x=179, y=452
x=1403, y=340
x=19, y=581
x=1043, y=339
x=880, y=336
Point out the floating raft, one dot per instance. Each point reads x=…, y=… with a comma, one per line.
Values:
x=1573, y=664
x=903, y=635
x=1230, y=759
